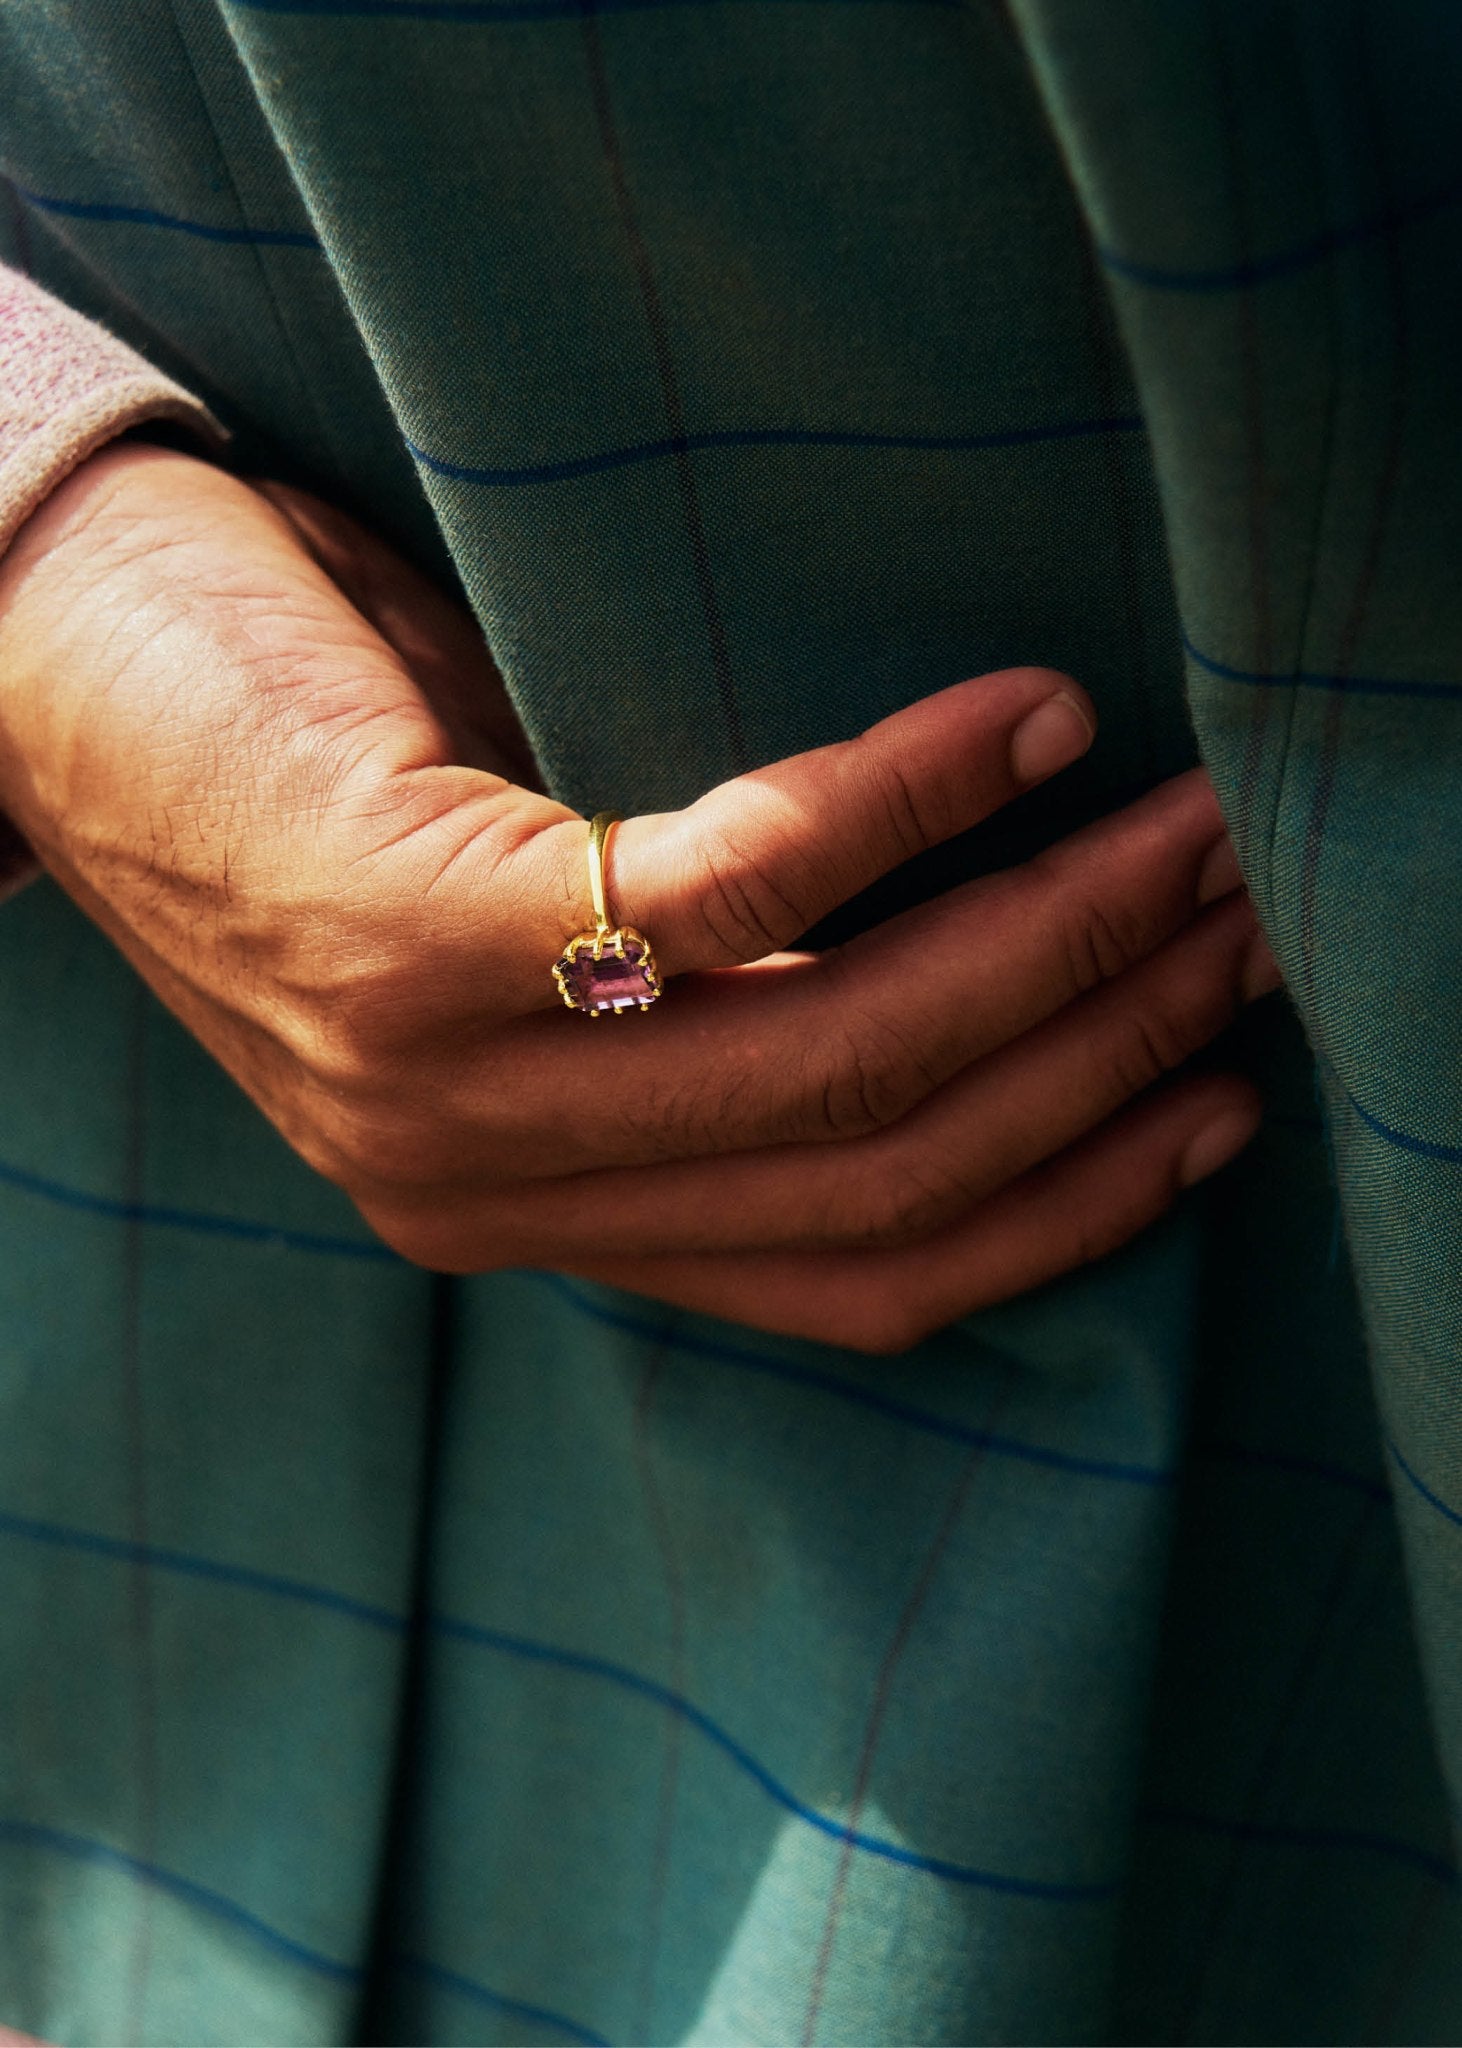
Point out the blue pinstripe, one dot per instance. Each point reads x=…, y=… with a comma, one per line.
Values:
x=1404, y=1141
x=529, y=1650
x=158, y=1557
x=497, y=2001
x=1309, y=679
x=771, y=437
x=1432, y=1499
x=556, y=1656
x=686, y=1342
x=716, y=1352
x=147, y=217
x=1230, y=277
x=1322, y=1839
x=483, y=13
x=1218, y=1451
x=524, y=1647
x=83, y=1848
x=31, y=1834
x=141, y=1556
x=245, y=1229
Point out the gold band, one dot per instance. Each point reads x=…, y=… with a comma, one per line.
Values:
x=602, y=825
x=610, y=969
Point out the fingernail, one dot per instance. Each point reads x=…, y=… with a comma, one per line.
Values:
x=1052, y=736
x=1216, y=1144
x=1260, y=973
x=1219, y=874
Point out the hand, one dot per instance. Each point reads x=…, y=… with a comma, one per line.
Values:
x=280, y=770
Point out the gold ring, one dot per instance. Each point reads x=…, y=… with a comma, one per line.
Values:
x=612, y=967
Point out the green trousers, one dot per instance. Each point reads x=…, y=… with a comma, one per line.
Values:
x=398, y=1660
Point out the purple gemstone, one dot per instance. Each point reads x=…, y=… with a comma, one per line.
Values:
x=607, y=983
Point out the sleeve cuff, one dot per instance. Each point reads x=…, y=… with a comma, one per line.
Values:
x=69, y=387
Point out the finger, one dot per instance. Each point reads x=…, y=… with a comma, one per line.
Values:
x=757, y=862
x=498, y=878
x=869, y=1030
x=1081, y=1206
x=815, y=1050
x=986, y=1127
x=983, y=1131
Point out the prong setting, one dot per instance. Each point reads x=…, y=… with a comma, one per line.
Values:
x=606, y=972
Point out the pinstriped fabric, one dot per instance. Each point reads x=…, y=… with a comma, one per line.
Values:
x=1332, y=605
x=573, y=1671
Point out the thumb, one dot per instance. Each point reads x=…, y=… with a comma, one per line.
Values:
x=758, y=861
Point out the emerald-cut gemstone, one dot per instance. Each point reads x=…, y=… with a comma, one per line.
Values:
x=610, y=982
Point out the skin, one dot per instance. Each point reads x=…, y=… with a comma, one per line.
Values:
x=280, y=770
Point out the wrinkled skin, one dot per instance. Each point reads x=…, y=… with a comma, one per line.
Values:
x=280, y=770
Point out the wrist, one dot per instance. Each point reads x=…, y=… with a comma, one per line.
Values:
x=78, y=578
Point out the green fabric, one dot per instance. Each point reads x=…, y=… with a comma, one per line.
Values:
x=388, y=1659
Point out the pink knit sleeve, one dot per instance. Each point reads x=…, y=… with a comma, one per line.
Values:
x=67, y=387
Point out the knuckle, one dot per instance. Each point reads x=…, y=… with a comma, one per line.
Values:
x=859, y=1097
x=352, y=1022
x=304, y=1135
x=440, y=1238
x=677, y=1123
x=417, y=1240
x=744, y=910
x=872, y=1074
x=915, y=819
x=1152, y=1041
x=1099, y=1235
x=373, y=1143
x=887, y=1326
x=422, y=1239
x=328, y=1048
x=907, y=1201
x=378, y=1007
x=1098, y=943
x=687, y=1115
